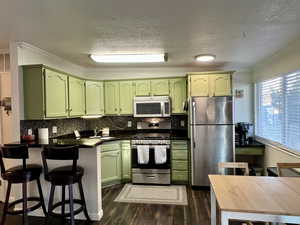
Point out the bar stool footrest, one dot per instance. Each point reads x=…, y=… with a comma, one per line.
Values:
x=67, y=202
x=11, y=205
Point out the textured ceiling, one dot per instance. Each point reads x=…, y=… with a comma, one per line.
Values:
x=239, y=32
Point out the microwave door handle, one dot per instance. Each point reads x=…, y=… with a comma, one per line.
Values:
x=162, y=105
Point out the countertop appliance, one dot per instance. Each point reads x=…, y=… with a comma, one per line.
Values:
x=244, y=133
x=151, y=172
x=211, y=128
x=153, y=106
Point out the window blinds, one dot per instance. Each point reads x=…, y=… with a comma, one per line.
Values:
x=278, y=110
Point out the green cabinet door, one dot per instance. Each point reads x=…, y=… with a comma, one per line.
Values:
x=160, y=87
x=111, y=90
x=76, y=97
x=94, y=97
x=126, y=97
x=110, y=167
x=56, y=94
x=126, y=160
x=142, y=88
x=101, y=97
x=178, y=94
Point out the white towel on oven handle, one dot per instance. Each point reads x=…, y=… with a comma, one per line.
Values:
x=143, y=154
x=160, y=154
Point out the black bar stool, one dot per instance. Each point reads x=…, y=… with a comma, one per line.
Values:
x=22, y=174
x=64, y=176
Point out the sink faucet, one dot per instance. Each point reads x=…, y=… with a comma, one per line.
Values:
x=96, y=131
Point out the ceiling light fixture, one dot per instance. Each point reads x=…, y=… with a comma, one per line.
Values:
x=205, y=58
x=129, y=58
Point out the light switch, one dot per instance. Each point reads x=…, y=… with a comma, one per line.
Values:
x=54, y=129
x=182, y=124
x=129, y=124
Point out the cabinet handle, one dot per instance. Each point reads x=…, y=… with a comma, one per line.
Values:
x=70, y=110
x=116, y=109
x=116, y=154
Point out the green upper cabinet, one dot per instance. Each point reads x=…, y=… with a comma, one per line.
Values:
x=160, y=87
x=56, y=94
x=177, y=94
x=111, y=90
x=142, y=87
x=221, y=84
x=76, y=97
x=94, y=98
x=210, y=84
x=199, y=85
x=126, y=97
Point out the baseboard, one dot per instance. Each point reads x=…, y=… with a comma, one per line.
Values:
x=94, y=216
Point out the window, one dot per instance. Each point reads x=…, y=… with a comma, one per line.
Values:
x=278, y=110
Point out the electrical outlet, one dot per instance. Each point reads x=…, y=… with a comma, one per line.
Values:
x=129, y=123
x=29, y=131
x=54, y=129
x=182, y=123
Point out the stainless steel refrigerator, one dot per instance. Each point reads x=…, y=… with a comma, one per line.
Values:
x=212, y=139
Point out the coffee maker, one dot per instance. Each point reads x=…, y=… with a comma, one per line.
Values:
x=244, y=133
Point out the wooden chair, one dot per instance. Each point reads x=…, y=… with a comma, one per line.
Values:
x=235, y=165
x=281, y=166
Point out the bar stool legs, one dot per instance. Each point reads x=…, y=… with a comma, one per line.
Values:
x=41, y=197
x=24, y=191
x=71, y=204
x=6, y=203
x=24, y=201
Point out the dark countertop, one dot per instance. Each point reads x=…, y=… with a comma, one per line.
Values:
x=254, y=144
x=85, y=142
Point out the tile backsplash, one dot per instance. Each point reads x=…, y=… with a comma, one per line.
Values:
x=66, y=126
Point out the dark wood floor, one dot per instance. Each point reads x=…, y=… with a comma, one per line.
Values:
x=196, y=213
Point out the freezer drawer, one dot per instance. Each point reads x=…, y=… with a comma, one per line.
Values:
x=210, y=145
x=211, y=110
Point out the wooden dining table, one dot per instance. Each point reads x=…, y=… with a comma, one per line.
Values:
x=250, y=198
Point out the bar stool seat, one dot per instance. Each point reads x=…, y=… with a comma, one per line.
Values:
x=18, y=174
x=65, y=175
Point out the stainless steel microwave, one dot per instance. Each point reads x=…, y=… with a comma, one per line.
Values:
x=154, y=106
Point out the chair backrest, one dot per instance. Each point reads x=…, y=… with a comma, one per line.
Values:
x=235, y=165
x=60, y=153
x=13, y=152
x=282, y=166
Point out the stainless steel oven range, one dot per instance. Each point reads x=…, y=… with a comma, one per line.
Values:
x=151, y=155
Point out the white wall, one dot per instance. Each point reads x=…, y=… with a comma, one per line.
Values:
x=243, y=107
x=282, y=62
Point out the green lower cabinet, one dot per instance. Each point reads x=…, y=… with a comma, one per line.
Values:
x=115, y=162
x=180, y=163
x=180, y=176
x=111, y=167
